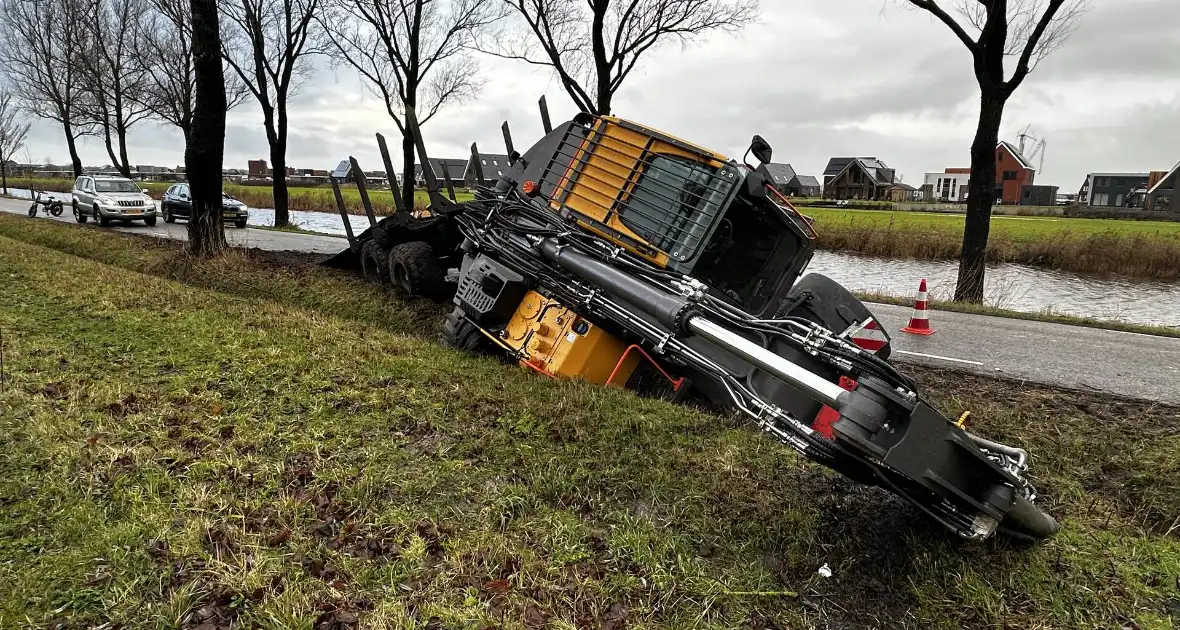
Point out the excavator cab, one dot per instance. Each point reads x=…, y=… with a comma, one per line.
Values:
x=679, y=206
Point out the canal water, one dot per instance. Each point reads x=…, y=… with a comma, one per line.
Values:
x=1014, y=287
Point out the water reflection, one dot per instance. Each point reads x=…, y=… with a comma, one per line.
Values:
x=1014, y=287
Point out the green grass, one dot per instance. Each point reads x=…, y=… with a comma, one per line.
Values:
x=1018, y=229
x=1042, y=316
x=281, y=445
x=1102, y=246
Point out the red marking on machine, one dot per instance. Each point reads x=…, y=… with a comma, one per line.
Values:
x=828, y=416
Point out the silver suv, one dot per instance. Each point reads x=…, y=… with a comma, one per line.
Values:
x=109, y=199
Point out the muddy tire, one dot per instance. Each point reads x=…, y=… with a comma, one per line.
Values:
x=414, y=269
x=373, y=263
x=458, y=332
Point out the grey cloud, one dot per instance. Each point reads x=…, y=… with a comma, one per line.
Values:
x=816, y=77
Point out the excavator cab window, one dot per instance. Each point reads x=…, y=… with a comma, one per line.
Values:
x=753, y=251
x=673, y=203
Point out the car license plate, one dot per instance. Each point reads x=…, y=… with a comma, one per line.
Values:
x=133, y=212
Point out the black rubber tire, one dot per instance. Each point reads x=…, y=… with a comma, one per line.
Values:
x=374, y=263
x=240, y=224
x=168, y=217
x=413, y=268
x=56, y=210
x=1028, y=522
x=78, y=216
x=150, y=221
x=33, y=209
x=458, y=332
x=102, y=220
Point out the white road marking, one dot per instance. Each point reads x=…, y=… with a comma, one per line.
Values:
x=935, y=356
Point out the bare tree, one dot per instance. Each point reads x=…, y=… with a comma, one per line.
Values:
x=42, y=67
x=205, y=149
x=112, y=74
x=413, y=54
x=165, y=52
x=993, y=31
x=13, y=130
x=265, y=43
x=593, y=45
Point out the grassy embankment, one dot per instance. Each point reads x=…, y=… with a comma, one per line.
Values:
x=1107, y=246
x=287, y=447
x=319, y=198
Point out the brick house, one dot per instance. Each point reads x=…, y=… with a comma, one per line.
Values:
x=857, y=178
x=1013, y=173
x=257, y=169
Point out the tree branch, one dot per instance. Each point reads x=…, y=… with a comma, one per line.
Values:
x=932, y=7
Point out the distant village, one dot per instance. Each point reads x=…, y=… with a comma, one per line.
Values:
x=844, y=179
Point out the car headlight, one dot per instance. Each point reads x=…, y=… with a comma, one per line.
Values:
x=106, y=200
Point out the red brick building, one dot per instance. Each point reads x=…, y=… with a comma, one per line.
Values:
x=1013, y=172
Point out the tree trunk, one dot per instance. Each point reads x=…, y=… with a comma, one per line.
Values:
x=71, y=142
x=4, y=176
x=278, y=160
x=981, y=196
x=109, y=143
x=124, y=163
x=204, y=152
x=408, y=159
x=601, y=65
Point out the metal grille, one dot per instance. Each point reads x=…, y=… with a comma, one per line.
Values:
x=667, y=193
x=131, y=204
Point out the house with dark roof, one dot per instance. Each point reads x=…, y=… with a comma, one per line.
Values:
x=791, y=184
x=491, y=166
x=441, y=167
x=1013, y=173
x=780, y=175
x=901, y=192
x=1111, y=189
x=857, y=178
x=805, y=186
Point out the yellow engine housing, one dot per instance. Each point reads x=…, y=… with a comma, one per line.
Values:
x=557, y=341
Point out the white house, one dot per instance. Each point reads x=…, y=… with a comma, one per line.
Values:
x=945, y=186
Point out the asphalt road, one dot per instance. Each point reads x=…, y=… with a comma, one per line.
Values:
x=1127, y=364
x=270, y=240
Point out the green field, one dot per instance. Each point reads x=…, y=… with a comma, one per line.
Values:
x=267, y=443
x=1148, y=249
x=1018, y=229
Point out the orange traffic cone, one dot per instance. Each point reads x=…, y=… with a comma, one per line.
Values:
x=920, y=321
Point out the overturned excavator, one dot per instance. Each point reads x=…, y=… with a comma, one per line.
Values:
x=617, y=254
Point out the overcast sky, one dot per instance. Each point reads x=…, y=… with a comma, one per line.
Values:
x=817, y=78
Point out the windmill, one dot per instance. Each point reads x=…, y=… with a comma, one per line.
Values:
x=1038, y=148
